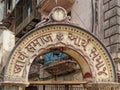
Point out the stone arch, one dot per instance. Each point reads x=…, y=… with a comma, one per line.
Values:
x=77, y=56
x=88, y=51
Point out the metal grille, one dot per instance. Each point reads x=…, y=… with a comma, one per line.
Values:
x=57, y=87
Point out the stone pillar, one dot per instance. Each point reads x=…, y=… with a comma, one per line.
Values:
x=103, y=86
x=111, y=24
x=112, y=28
x=7, y=42
x=14, y=87
x=11, y=88
x=1, y=10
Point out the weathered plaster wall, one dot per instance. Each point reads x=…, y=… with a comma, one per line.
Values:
x=1, y=10
x=7, y=42
x=82, y=13
x=88, y=14
x=112, y=30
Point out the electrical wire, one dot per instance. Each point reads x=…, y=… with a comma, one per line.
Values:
x=92, y=6
x=56, y=2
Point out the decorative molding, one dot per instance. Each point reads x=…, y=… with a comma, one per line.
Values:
x=88, y=51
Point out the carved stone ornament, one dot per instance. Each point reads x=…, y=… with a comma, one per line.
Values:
x=57, y=15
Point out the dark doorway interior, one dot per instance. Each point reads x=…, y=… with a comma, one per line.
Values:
x=31, y=88
x=55, y=87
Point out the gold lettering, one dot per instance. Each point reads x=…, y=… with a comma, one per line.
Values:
x=84, y=43
x=94, y=53
x=46, y=38
x=78, y=41
x=74, y=38
x=36, y=43
x=30, y=48
x=102, y=72
x=99, y=63
x=18, y=68
x=22, y=55
x=20, y=62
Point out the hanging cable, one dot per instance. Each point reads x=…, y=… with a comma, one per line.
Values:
x=92, y=5
x=56, y=2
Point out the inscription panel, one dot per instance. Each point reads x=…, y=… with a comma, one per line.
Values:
x=59, y=36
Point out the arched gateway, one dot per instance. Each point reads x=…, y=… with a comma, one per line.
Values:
x=95, y=62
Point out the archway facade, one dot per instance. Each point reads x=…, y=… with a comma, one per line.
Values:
x=86, y=49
